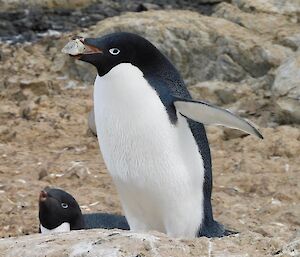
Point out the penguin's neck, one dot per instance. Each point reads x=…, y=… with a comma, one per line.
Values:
x=78, y=223
x=75, y=224
x=64, y=227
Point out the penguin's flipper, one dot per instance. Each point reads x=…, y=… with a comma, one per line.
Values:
x=207, y=114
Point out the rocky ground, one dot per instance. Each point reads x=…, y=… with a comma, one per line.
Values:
x=244, y=56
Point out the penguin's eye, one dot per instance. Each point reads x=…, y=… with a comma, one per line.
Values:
x=64, y=205
x=114, y=51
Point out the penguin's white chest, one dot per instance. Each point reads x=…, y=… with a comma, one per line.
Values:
x=64, y=227
x=155, y=164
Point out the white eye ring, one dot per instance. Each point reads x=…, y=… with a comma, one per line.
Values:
x=64, y=205
x=114, y=51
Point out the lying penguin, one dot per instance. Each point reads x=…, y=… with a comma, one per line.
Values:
x=152, y=137
x=60, y=212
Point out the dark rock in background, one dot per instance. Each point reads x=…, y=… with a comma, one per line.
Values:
x=30, y=22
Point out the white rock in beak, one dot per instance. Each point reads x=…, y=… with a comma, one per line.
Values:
x=74, y=47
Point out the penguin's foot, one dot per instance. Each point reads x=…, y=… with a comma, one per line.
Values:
x=214, y=229
x=228, y=232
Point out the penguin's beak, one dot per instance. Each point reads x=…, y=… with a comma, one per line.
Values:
x=79, y=47
x=43, y=196
x=89, y=47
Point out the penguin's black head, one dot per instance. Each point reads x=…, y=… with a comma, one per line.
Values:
x=56, y=207
x=108, y=51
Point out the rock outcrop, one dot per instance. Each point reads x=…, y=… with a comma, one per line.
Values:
x=287, y=87
x=284, y=7
x=203, y=48
x=114, y=243
x=13, y=4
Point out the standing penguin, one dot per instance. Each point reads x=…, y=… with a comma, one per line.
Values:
x=151, y=135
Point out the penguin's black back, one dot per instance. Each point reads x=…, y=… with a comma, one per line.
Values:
x=105, y=220
x=168, y=84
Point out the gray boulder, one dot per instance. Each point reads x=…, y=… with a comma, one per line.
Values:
x=286, y=88
x=115, y=243
x=13, y=4
x=283, y=7
x=280, y=29
x=203, y=48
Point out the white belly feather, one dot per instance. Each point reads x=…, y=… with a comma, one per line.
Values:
x=155, y=165
x=64, y=227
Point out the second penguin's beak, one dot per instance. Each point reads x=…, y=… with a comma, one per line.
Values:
x=43, y=196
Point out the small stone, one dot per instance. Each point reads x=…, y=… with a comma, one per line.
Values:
x=18, y=96
x=78, y=170
x=29, y=110
x=65, y=115
x=38, y=87
x=6, y=134
x=147, y=6
x=226, y=96
x=42, y=101
x=74, y=47
x=43, y=173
